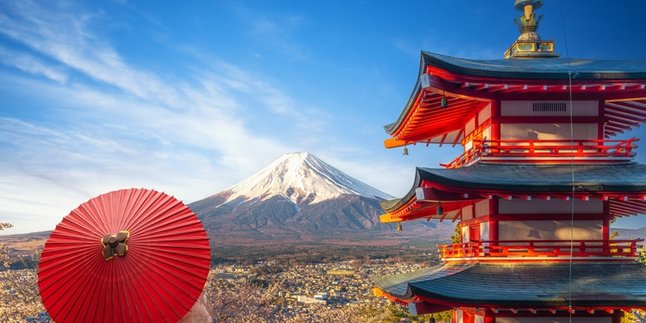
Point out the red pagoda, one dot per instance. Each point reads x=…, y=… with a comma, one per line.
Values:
x=540, y=179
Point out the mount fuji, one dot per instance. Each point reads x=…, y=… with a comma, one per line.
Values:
x=303, y=179
x=297, y=198
x=295, y=203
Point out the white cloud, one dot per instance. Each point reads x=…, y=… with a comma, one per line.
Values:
x=64, y=34
x=32, y=65
x=118, y=125
x=141, y=130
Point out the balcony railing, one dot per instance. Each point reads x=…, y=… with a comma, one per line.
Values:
x=541, y=248
x=545, y=150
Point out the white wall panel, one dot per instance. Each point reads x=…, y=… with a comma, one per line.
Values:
x=525, y=108
x=550, y=230
x=553, y=206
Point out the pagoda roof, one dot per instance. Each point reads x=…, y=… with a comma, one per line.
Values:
x=450, y=90
x=522, y=284
x=623, y=185
x=529, y=178
x=540, y=68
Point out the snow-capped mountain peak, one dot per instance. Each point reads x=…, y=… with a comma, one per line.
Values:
x=302, y=178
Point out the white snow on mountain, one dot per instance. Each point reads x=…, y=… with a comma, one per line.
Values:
x=302, y=178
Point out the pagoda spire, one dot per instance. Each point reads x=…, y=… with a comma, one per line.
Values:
x=528, y=22
x=529, y=43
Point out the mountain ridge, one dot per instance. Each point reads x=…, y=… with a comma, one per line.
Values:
x=299, y=175
x=297, y=198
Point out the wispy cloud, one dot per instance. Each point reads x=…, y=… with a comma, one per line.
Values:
x=275, y=99
x=104, y=123
x=32, y=65
x=64, y=34
x=127, y=126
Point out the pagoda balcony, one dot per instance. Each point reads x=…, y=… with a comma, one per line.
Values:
x=547, y=151
x=502, y=250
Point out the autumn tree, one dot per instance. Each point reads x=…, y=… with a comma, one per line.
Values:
x=4, y=249
x=457, y=234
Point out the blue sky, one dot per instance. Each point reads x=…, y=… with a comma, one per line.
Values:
x=190, y=99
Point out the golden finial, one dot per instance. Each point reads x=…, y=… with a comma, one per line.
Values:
x=529, y=44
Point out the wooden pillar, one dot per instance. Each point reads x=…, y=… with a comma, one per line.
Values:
x=605, y=229
x=493, y=206
x=493, y=230
x=468, y=317
x=493, y=220
x=601, y=114
x=495, y=119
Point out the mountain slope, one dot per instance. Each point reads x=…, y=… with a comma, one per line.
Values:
x=301, y=177
x=299, y=197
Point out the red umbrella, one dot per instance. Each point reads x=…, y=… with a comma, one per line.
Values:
x=128, y=255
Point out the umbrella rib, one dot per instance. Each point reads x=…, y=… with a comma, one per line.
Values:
x=158, y=215
x=64, y=266
x=188, y=267
x=68, y=285
x=182, y=231
x=133, y=310
x=92, y=291
x=150, y=210
x=155, y=291
x=86, y=285
x=133, y=198
x=169, y=222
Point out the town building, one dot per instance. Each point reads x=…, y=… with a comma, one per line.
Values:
x=541, y=178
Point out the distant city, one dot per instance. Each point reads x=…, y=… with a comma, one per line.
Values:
x=287, y=291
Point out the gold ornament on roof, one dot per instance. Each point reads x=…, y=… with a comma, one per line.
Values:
x=529, y=43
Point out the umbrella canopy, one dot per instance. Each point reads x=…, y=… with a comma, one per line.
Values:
x=128, y=255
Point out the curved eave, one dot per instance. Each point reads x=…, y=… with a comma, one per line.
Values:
x=454, y=78
x=455, y=188
x=392, y=127
x=396, y=204
x=423, y=202
x=622, y=178
x=493, y=285
x=539, y=69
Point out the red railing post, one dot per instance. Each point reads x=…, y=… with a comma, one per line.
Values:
x=534, y=248
x=629, y=146
x=546, y=149
x=605, y=248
